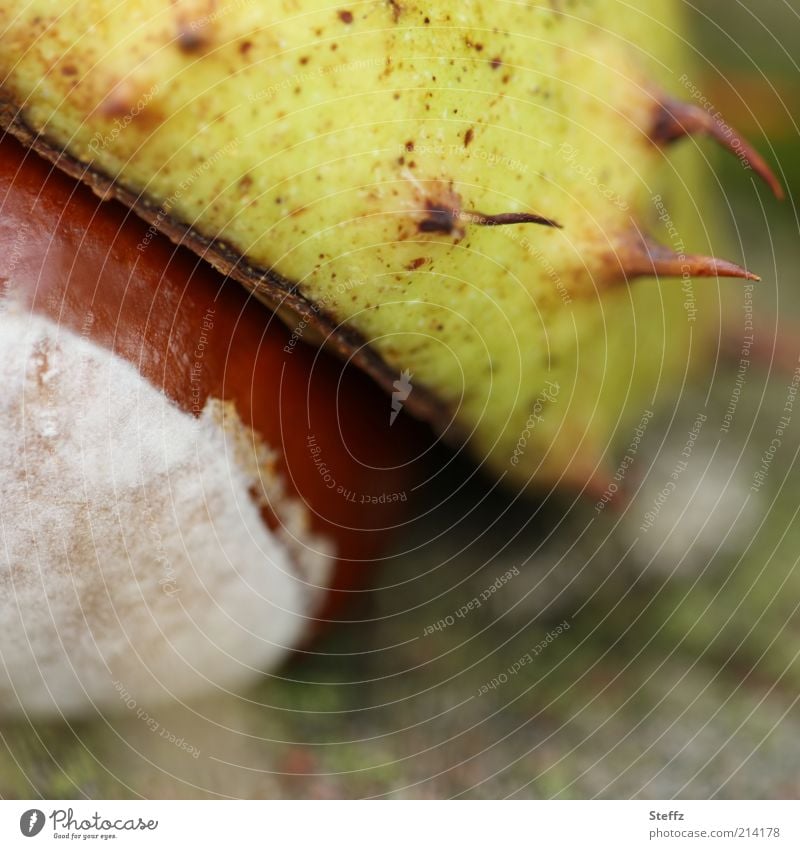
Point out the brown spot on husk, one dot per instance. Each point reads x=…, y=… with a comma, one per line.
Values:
x=417, y=263
x=190, y=40
x=194, y=24
x=442, y=216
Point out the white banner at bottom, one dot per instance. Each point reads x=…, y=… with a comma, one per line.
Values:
x=401, y=824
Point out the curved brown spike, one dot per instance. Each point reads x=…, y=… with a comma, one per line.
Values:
x=675, y=119
x=504, y=218
x=444, y=212
x=641, y=256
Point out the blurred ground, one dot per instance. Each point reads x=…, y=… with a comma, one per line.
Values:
x=671, y=666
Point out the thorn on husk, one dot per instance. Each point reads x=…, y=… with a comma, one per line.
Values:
x=483, y=220
x=444, y=212
x=675, y=120
x=641, y=256
x=449, y=219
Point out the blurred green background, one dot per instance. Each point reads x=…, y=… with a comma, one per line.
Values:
x=678, y=675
